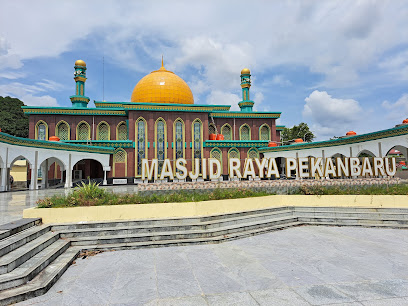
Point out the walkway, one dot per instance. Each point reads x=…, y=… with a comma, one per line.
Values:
x=298, y=266
x=12, y=204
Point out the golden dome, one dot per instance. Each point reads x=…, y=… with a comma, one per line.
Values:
x=80, y=63
x=162, y=86
x=245, y=71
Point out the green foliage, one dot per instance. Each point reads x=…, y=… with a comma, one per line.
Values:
x=92, y=195
x=398, y=189
x=12, y=119
x=298, y=131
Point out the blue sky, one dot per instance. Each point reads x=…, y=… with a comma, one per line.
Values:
x=336, y=65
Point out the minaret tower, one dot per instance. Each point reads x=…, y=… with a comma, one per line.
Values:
x=79, y=99
x=246, y=104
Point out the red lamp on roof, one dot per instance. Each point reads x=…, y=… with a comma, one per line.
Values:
x=351, y=133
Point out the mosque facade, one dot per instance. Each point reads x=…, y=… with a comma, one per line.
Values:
x=161, y=121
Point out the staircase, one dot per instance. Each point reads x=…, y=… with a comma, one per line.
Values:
x=34, y=256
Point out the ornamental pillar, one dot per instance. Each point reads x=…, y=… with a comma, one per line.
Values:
x=68, y=174
x=34, y=173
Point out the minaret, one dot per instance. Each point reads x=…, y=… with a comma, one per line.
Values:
x=79, y=99
x=246, y=104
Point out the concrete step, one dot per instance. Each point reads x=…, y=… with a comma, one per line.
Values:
x=349, y=214
x=17, y=240
x=354, y=220
x=169, y=235
x=351, y=209
x=15, y=258
x=17, y=226
x=167, y=221
x=28, y=270
x=188, y=241
x=363, y=224
x=172, y=227
x=42, y=282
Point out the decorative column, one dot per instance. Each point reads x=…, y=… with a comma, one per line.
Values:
x=79, y=99
x=3, y=183
x=68, y=174
x=34, y=173
x=105, y=170
x=246, y=104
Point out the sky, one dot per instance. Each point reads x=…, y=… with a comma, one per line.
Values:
x=336, y=65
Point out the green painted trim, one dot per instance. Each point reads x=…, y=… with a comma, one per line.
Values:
x=396, y=131
x=105, y=143
x=280, y=127
x=30, y=110
x=273, y=115
x=235, y=143
x=163, y=106
x=54, y=145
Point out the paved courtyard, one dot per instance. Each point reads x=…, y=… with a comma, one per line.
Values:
x=297, y=266
x=13, y=203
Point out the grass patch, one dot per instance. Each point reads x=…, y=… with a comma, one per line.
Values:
x=92, y=195
x=397, y=189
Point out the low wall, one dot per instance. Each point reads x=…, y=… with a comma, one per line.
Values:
x=205, y=208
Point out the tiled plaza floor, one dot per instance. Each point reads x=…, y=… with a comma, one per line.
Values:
x=13, y=203
x=297, y=266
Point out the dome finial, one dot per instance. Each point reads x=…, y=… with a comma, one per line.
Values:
x=162, y=61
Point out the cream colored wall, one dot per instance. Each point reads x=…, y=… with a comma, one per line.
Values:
x=19, y=171
x=195, y=209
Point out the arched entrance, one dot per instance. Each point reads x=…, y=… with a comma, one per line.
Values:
x=87, y=169
x=53, y=174
x=400, y=153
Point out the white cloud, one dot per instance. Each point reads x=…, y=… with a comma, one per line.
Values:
x=224, y=98
x=338, y=39
x=397, y=65
x=331, y=116
x=28, y=94
x=280, y=80
x=31, y=100
x=398, y=109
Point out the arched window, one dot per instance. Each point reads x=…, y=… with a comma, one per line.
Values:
x=226, y=131
x=178, y=136
x=244, y=132
x=120, y=163
x=197, y=136
x=233, y=153
x=83, y=131
x=161, y=142
x=103, y=131
x=217, y=154
x=264, y=132
x=211, y=129
x=62, y=130
x=141, y=144
x=121, y=131
x=41, y=130
x=253, y=153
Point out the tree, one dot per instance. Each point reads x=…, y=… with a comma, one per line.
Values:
x=12, y=118
x=297, y=131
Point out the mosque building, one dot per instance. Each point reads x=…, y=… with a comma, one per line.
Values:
x=161, y=121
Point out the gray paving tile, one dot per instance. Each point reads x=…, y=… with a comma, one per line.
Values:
x=367, y=291
x=291, y=274
x=281, y=297
x=185, y=301
x=387, y=302
x=322, y=294
x=231, y=299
